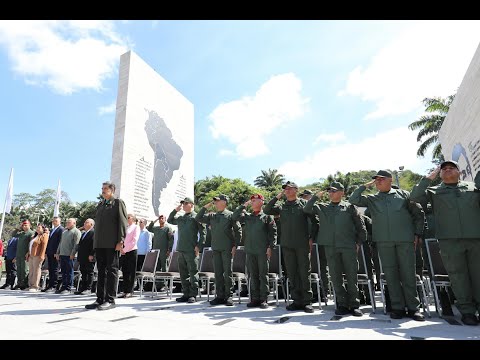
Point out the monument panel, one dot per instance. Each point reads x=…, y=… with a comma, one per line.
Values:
x=152, y=159
x=460, y=132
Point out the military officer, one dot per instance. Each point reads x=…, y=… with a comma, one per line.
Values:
x=23, y=240
x=191, y=236
x=342, y=233
x=260, y=234
x=226, y=235
x=456, y=208
x=307, y=195
x=296, y=243
x=397, y=224
x=162, y=240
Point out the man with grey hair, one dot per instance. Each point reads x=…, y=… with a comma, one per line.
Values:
x=66, y=253
x=85, y=257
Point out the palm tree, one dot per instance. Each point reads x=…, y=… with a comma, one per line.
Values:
x=429, y=125
x=269, y=179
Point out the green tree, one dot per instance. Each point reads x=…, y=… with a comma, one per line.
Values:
x=428, y=126
x=269, y=179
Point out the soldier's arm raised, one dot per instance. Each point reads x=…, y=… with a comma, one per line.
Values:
x=202, y=217
x=239, y=214
x=171, y=218
x=418, y=216
x=360, y=226
x=357, y=198
x=272, y=208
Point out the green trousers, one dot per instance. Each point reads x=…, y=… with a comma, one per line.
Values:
x=297, y=263
x=188, y=268
x=344, y=261
x=257, y=268
x=22, y=267
x=398, y=263
x=461, y=258
x=323, y=267
x=222, y=266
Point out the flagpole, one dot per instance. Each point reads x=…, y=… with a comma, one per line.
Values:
x=5, y=203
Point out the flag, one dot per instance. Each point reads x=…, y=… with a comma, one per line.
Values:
x=9, y=196
x=57, y=200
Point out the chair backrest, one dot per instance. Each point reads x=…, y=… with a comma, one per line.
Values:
x=362, y=262
x=434, y=258
x=239, y=260
x=173, y=265
x=315, y=260
x=151, y=259
x=275, y=264
x=206, y=265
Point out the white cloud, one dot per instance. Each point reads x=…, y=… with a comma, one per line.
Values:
x=226, y=152
x=390, y=149
x=427, y=59
x=330, y=138
x=245, y=122
x=66, y=56
x=108, y=109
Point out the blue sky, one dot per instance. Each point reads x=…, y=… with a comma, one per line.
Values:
x=305, y=97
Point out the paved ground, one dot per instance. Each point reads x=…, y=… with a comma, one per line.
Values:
x=49, y=316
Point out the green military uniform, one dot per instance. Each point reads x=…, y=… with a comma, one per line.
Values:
x=396, y=219
x=260, y=233
x=295, y=246
x=226, y=234
x=190, y=234
x=456, y=209
x=341, y=228
x=22, y=250
x=162, y=240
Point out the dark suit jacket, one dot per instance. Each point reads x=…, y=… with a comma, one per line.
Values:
x=110, y=224
x=54, y=241
x=85, y=247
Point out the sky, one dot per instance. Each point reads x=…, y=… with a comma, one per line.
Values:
x=306, y=97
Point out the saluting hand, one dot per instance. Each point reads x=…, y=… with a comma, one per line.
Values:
x=177, y=209
x=434, y=173
x=320, y=193
x=280, y=194
x=248, y=202
x=370, y=183
x=206, y=206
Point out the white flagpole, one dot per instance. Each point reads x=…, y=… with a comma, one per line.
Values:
x=7, y=206
x=57, y=200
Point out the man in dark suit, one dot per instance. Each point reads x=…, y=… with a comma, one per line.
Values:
x=111, y=226
x=52, y=246
x=85, y=258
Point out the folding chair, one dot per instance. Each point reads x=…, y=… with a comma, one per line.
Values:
x=439, y=275
x=44, y=272
x=239, y=268
x=77, y=275
x=315, y=277
x=419, y=283
x=148, y=270
x=275, y=273
x=363, y=279
x=171, y=273
x=206, y=271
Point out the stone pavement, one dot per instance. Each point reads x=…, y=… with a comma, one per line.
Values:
x=25, y=315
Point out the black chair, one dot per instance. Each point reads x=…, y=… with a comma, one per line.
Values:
x=439, y=275
x=275, y=273
x=239, y=268
x=206, y=271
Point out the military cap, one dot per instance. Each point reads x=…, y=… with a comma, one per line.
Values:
x=307, y=192
x=289, y=184
x=187, y=200
x=221, y=197
x=382, y=173
x=335, y=185
x=454, y=163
